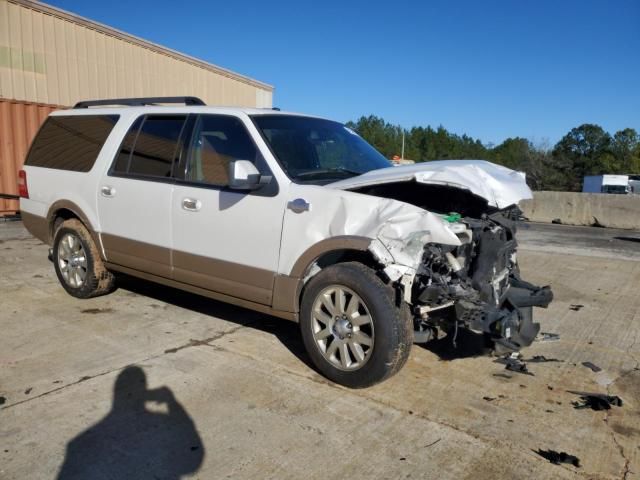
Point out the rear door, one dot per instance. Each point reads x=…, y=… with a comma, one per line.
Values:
x=224, y=240
x=134, y=198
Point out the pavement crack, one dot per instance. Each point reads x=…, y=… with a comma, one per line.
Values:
x=633, y=355
x=320, y=380
x=626, y=470
x=63, y=387
x=432, y=443
x=191, y=343
x=206, y=341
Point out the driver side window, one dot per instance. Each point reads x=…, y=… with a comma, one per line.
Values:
x=216, y=141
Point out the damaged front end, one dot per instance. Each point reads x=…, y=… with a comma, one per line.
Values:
x=456, y=270
x=477, y=285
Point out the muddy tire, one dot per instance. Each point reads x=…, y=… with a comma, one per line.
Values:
x=352, y=327
x=77, y=261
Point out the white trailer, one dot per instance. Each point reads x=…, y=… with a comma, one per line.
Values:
x=606, y=184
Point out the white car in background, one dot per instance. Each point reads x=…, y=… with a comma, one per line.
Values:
x=290, y=215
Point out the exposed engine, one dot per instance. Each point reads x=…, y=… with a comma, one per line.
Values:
x=477, y=285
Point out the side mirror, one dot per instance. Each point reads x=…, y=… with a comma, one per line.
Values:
x=243, y=175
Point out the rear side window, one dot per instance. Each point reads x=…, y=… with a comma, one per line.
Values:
x=70, y=143
x=151, y=146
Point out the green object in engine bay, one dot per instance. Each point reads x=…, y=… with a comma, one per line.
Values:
x=452, y=217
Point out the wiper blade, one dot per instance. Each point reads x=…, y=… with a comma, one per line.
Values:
x=328, y=171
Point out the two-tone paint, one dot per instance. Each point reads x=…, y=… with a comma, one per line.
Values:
x=243, y=247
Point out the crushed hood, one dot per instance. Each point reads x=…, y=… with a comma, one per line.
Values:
x=498, y=185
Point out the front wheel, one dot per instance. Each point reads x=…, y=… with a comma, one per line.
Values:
x=352, y=328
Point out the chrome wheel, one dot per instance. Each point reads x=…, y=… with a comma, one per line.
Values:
x=72, y=260
x=342, y=327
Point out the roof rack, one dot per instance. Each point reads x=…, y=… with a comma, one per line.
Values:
x=138, y=102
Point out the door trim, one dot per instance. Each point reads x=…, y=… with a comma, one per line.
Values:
x=204, y=292
x=242, y=281
x=137, y=255
x=228, y=278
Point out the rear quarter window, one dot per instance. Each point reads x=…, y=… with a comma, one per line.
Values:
x=70, y=143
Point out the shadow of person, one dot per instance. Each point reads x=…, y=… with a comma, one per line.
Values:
x=134, y=442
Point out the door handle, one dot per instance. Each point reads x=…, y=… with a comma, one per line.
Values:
x=107, y=191
x=299, y=205
x=191, y=204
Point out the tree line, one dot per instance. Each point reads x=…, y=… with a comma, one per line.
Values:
x=585, y=150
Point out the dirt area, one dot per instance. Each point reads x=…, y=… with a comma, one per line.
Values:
x=186, y=386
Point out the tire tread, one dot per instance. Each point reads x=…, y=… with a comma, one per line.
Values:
x=99, y=281
x=358, y=275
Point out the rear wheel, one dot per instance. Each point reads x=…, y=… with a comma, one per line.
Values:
x=352, y=328
x=77, y=262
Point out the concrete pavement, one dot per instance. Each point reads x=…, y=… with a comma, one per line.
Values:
x=581, y=241
x=229, y=393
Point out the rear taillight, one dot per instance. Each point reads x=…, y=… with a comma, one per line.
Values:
x=23, y=190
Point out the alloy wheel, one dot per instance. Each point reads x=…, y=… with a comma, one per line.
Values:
x=72, y=260
x=342, y=327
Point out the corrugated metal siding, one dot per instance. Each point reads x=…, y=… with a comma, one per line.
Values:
x=19, y=122
x=53, y=57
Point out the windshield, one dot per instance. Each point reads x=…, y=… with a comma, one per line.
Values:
x=312, y=150
x=619, y=189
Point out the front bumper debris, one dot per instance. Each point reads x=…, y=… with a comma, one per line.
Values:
x=477, y=286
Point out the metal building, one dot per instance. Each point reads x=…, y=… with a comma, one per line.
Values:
x=51, y=59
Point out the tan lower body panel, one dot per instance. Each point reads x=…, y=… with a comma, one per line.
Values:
x=286, y=293
x=240, y=284
x=253, y=284
x=227, y=278
x=36, y=225
x=137, y=255
x=71, y=210
x=204, y=292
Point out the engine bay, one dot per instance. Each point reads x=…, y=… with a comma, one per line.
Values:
x=475, y=285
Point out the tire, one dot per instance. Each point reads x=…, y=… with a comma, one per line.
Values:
x=377, y=344
x=77, y=262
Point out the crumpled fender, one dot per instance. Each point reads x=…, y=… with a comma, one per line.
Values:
x=403, y=237
x=398, y=230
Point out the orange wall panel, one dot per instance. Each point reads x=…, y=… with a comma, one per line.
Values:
x=19, y=122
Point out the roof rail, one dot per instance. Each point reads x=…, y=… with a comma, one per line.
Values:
x=138, y=102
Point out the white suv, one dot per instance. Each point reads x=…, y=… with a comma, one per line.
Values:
x=290, y=215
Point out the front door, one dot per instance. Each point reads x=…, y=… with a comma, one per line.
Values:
x=134, y=198
x=224, y=240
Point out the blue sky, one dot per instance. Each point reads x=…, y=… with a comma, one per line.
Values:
x=491, y=69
